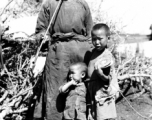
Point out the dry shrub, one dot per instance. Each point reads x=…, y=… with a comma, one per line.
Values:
x=100, y=16
x=16, y=79
x=20, y=9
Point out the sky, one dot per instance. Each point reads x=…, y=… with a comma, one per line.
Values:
x=135, y=16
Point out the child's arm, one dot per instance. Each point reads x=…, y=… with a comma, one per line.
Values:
x=65, y=87
x=101, y=74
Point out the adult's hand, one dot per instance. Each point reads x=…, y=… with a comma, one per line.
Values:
x=47, y=38
x=40, y=37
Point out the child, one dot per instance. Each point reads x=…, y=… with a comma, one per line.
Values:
x=103, y=83
x=75, y=106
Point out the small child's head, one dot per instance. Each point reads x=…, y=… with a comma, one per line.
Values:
x=77, y=72
x=100, y=36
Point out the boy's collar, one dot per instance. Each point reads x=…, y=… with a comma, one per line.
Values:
x=101, y=50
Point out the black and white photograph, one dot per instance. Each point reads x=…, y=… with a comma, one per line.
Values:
x=75, y=60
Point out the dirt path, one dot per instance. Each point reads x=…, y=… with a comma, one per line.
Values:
x=142, y=104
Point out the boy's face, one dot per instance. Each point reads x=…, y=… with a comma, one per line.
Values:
x=76, y=74
x=99, y=39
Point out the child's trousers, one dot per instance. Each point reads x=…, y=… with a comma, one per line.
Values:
x=106, y=111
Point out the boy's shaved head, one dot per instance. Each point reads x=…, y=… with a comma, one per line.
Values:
x=81, y=66
x=101, y=26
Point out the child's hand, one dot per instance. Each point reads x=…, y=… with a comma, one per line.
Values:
x=99, y=70
x=73, y=82
x=47, y=37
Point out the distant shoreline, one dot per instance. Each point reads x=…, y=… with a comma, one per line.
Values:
x=133, y=38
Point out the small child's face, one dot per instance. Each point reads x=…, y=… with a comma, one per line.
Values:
x=99, y=39
x=75, y=74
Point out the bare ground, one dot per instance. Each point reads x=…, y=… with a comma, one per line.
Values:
x=142, y=104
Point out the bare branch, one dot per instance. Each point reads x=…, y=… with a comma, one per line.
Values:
x=6, y=7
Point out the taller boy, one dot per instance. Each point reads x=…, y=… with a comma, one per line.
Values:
x=103, y=83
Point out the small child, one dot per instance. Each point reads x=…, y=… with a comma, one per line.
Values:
x=103, y=83
x=75, y=106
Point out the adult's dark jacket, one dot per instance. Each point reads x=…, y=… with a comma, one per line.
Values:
x=74, y=17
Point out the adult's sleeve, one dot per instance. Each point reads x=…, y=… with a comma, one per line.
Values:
x=43, y=18
x=88, y=20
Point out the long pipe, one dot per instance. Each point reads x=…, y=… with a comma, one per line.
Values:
x=51, y=23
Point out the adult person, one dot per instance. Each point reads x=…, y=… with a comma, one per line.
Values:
x=69, y=43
